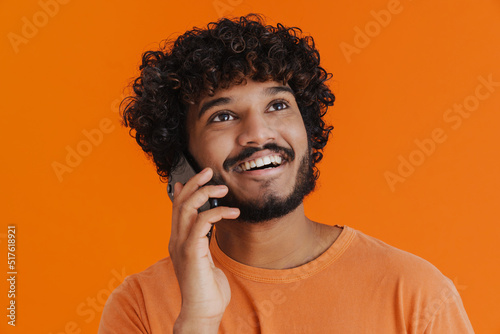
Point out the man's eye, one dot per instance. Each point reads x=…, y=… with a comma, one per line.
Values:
x=223, y=117
x=278, y=106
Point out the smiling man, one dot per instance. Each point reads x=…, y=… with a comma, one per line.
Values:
x=245, y=102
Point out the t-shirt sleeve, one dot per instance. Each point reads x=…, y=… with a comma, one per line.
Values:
x=449, y=314
x=123, y=312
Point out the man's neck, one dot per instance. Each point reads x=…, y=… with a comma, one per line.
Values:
x=281, y=243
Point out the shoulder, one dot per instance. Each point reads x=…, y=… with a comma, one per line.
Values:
x=391, y=260
x=156, y=278
x=424, y=294
x=408, y=277
x=129, y=304
x=161, y=268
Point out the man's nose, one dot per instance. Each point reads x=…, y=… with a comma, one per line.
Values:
x=256, y=130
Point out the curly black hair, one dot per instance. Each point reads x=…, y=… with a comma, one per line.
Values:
x=226, y=53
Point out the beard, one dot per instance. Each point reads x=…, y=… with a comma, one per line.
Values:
x=269, y=206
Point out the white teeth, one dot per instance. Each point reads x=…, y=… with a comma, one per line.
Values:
x=272, y=160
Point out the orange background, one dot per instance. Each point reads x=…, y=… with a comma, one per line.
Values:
x=108, y=215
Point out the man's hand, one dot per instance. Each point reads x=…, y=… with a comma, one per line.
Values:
x=204, y=288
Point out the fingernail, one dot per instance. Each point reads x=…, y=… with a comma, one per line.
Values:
x=205, y=170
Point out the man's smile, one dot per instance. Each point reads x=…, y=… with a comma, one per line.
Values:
x=268, y=161
x=253, y=159
x=267, y=158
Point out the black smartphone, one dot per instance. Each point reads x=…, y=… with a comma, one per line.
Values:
x=186, y=169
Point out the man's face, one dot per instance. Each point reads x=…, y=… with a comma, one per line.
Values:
x=253, y=137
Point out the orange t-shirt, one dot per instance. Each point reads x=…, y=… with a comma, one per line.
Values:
x=358, y=285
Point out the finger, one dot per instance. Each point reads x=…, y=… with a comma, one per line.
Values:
x=205, y=220
x=202, y=195
x=196, y=244
x=193, y=184
x=188, y=211
x=185, y=211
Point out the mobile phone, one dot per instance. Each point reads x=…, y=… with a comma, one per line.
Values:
x=186, y=169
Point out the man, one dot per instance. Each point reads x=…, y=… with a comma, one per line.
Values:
x=245, y=102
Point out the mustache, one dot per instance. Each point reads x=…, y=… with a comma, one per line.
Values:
x=287, y=153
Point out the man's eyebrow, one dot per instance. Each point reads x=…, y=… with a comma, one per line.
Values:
x=213, y=103
x=278, y=89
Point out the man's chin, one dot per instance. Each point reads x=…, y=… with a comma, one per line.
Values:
x=265, y=209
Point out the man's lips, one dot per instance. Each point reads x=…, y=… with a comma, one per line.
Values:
x=266, y=160
x=265, y=170
x=253, y=154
